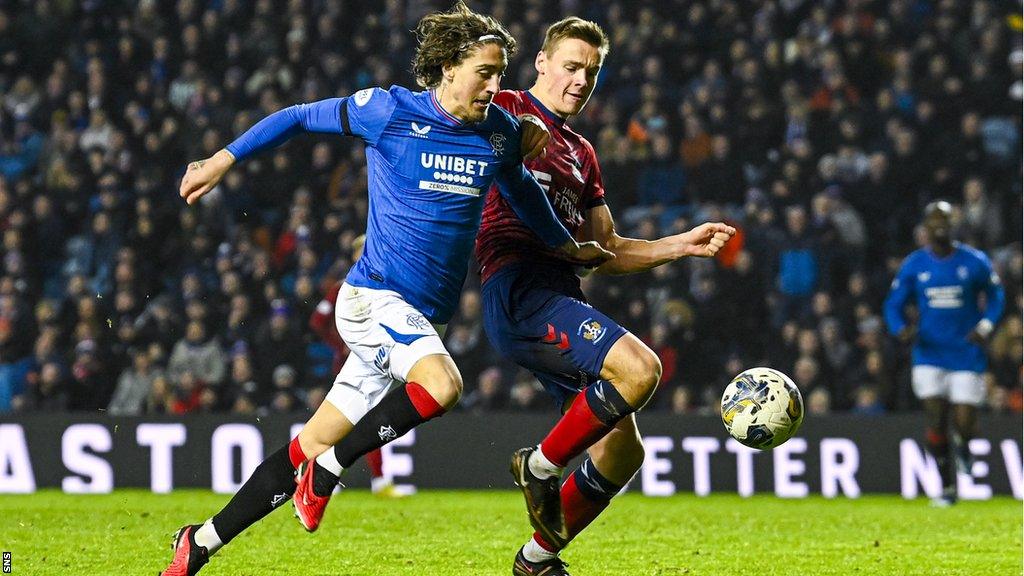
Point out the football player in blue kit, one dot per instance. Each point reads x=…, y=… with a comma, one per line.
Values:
x=431, y=158
x=945, y=280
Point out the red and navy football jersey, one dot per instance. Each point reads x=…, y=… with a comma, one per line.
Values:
x=570, y=175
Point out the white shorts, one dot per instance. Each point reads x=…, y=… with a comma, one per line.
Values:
x=387, y=336
x=957, y=386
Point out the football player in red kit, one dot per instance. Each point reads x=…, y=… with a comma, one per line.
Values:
x=321, y=322
x=536, y=314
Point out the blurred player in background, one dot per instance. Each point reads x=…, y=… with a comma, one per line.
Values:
x=946, y=279
x=321, y=322
x=536, y=314
x=431, y=157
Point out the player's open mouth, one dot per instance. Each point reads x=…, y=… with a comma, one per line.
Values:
x=481, y=103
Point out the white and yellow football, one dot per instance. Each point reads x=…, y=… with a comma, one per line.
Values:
x=762, y=408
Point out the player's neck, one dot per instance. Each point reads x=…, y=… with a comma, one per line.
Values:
x=548, y=107
x=448, y=104
x=942, y=249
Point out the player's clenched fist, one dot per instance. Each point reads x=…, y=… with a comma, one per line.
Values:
x=707, y=239
x=535, y=136
x=202, y=175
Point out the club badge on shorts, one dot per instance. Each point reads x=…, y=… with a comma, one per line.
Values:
x=591, y=330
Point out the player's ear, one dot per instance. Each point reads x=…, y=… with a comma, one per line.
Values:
x=448, y=71
x=541, y=63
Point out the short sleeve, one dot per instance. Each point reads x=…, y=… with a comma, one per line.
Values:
x=593, y=191
x=366, y=113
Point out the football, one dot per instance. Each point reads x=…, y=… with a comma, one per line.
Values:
x=762, y=408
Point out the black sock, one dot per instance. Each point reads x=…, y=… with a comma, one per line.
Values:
x=271, y=484
x=938, y=445
x=392, y=418
x=324, y=480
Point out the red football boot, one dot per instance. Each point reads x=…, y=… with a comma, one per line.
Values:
x=309, y=508
x=189, y=557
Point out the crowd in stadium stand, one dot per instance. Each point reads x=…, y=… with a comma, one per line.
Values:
x=818, y=128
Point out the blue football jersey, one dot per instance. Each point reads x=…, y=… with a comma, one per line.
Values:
x=428, y=175
x=946, y=291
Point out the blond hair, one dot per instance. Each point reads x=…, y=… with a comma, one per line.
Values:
x=578, y=28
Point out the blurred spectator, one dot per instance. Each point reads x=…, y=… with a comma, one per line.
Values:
x=199, y=356
x=866, y=401
x=527, y=395
x=284, y=397
x=819, y=402
x=682, y=400
x=47, y=393
x=134, y=385
x=489, y=394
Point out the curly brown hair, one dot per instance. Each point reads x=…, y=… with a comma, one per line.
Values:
x=447, y=37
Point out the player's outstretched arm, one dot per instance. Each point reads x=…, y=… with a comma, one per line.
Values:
x=633, y=255
x=202, y=176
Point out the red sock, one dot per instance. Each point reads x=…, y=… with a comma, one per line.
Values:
x=375, y=460
x=295, y=453
x=576, y=431
x=579, y=512
x=422, y=401
x=935, y=437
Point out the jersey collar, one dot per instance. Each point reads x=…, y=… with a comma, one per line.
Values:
x=441, y=111
x=946, y=258
x=551, y=116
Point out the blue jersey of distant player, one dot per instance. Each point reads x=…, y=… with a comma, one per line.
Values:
x=428, y=176
x=946, y=292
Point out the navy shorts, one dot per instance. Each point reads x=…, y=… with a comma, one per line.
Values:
x=539, y=319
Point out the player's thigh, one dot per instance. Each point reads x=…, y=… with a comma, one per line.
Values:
x=620, y=453
x=382, y=329
x=357, y=388
x=386, y=332
x=549, y=332
x=966, y=388
x=929, y=382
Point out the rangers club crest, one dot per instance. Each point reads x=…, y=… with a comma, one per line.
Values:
x=498, y=143
x=591, y=330
x=417, y=321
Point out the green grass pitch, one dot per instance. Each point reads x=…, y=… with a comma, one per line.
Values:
x=455, y=533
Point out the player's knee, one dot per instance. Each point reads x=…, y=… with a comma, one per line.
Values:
x=446, y=388
x=635, y=370
x=645, y=375
x=651, y=369
x=454, y=388
x=312, y=446
x=439, y=376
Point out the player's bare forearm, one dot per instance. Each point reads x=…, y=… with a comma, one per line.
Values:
x=586, y=253
x=632, y=255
